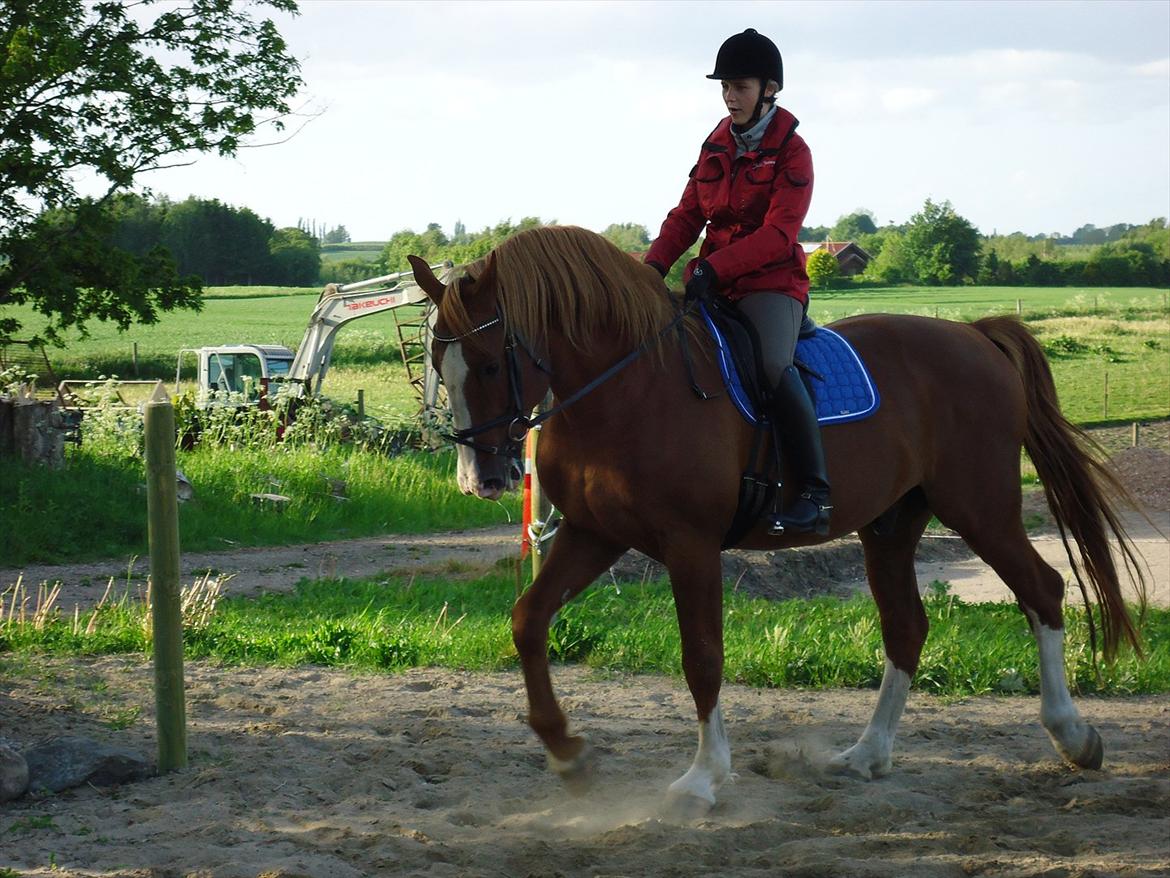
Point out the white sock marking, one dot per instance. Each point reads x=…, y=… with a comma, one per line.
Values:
x=712, y=765
x=872, y=754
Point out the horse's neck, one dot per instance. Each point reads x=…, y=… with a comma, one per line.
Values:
x=623, y=393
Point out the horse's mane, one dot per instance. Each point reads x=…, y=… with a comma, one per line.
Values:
x=568, y=278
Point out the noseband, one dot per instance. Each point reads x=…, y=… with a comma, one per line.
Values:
x=518, y=424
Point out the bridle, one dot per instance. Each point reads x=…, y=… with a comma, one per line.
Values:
x=518, y=424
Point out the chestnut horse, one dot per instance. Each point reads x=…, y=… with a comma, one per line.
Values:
x=638, y=460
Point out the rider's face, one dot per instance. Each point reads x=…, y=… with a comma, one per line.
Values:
x=741, y=96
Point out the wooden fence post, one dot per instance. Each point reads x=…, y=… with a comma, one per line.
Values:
x=1136, y=434
x=162, y=508
x=361, y=404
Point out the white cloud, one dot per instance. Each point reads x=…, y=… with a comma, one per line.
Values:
x=906, y=99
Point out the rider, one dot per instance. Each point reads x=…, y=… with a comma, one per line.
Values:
x=750, y=190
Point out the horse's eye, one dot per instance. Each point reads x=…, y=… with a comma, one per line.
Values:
x=491, y=369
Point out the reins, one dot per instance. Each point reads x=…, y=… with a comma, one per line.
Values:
x=518, y=424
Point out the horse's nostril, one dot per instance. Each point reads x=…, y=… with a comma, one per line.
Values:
x=493, y=484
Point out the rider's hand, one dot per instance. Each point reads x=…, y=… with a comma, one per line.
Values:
x=702, y=282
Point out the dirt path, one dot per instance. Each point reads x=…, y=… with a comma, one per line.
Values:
x=835, y=568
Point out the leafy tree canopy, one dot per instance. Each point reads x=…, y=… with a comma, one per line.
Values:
x=942, y=246
x=630, y=237
x=822, y=267
x=104, y=91
x=854, y=226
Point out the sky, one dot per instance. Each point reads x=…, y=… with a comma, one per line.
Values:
x=1027, y=116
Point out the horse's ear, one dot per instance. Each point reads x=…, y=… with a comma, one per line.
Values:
x=426, y=279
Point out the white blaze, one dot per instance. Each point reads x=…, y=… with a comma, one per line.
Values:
x=454, y=373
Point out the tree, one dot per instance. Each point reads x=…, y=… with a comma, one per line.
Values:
x=822, y=267
x=338, y=235
x=893, y=263
x=942, y=246
x=630, y=237
x=219, y=243
x=107, y=91
x=296, y=257
x=853, y=226
x=813, y=233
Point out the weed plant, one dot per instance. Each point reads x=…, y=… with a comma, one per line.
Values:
x=392, y=624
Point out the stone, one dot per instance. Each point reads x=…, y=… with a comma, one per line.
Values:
x=61, y=763
x=13, y=774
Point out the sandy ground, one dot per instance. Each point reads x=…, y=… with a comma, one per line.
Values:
x=309, y=773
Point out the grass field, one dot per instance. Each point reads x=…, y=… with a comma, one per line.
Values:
x=1090, y=333
x=394, y=624
x=366, y=251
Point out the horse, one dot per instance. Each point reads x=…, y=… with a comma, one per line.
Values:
x=634, y=458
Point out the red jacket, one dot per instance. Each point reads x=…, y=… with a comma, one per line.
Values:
x=752, y=208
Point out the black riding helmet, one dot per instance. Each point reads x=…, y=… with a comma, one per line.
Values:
x=750, y=55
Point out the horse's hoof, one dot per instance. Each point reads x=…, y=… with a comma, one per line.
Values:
x=847, y=765
x=845, y=768
x=686, y=806
x=578, y=773
x=1093, y=753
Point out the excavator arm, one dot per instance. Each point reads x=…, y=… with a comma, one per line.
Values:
x=340, y=304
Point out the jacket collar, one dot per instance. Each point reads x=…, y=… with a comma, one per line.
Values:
x=781, y=128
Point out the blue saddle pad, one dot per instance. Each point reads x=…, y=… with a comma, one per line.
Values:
x=844, y=392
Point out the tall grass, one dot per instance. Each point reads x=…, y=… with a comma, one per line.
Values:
x=96, y=507
x=399, y=623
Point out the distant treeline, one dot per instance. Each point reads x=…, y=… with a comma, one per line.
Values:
x=937, y=246
x=221, y=244
x=226, y=245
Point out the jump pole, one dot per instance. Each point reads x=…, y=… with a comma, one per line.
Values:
x=162, y=509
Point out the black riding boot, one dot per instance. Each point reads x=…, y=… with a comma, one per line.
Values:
x=801, y=440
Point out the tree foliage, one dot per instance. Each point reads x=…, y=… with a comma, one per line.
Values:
x=822, y=267
x=435, y=247
x=105, y=91
x=853, y=227
x=630, y=237
x=942, y=246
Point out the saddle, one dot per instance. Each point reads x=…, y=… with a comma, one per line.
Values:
x=837, y=380
x=834, y=375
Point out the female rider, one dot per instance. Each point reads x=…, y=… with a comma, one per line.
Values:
x=750, y=190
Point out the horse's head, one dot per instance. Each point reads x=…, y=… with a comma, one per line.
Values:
x=492, y=380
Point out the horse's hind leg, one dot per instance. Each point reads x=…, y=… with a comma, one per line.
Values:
x=696, y=579
x=889, y=565
x=576, y=559
x=1039, y=591
x=990, y=522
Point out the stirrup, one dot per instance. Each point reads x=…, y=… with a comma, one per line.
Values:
x=818, y=523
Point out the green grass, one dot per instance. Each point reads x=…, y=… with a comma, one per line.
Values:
x=1116, y=328
x=394, y=624
x=366, y=251
x=969, y=303
x=97, y=507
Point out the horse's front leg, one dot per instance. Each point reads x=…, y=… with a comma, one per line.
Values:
x=696, y=579
x=577, y=558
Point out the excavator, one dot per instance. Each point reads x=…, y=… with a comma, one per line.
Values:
x=257, y=373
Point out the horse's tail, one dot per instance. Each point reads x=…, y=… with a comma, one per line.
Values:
x=1083, y=492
